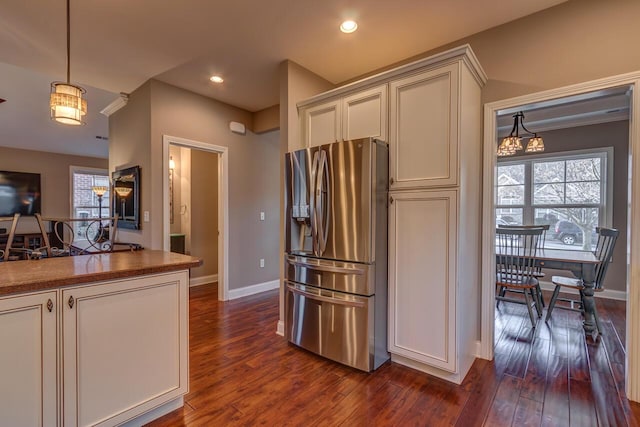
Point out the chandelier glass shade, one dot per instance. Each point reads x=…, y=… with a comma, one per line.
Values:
x=66, y=100
x=513, y=143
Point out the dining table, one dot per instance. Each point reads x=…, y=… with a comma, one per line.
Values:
x=582, y=264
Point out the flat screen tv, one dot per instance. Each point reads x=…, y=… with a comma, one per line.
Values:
x=19, y=193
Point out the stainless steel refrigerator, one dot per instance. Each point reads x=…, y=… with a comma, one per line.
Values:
x=336, y=251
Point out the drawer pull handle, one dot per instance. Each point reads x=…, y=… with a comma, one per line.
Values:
x=70, y=302
x=50, y=305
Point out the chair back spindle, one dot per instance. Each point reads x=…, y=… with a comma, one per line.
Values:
x=516, y=253
x=604, y=252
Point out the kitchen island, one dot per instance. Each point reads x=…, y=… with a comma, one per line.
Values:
x=94, y=339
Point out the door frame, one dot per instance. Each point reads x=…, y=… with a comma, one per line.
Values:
x=632, y=371
x=223, y=203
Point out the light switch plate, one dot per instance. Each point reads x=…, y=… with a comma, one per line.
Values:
x=261, y=216
x=146, y=216
x=261, y=262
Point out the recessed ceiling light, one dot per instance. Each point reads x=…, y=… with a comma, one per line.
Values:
x=348, y=26
x=216, y=79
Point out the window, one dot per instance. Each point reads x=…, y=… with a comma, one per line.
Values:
x=568, y=191
x=84, y=202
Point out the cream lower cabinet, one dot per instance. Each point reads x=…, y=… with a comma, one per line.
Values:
x=28, y=362
x=432, y=299
x=96, y=354
x=124, y=350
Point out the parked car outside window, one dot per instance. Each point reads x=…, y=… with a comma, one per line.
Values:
x=567, y=232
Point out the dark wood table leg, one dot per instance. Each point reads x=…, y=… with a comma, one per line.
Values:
x=588, y=278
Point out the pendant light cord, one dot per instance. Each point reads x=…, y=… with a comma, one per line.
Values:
x=68, y=43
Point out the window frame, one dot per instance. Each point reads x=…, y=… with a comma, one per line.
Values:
x=605, y=207
x=73, y=170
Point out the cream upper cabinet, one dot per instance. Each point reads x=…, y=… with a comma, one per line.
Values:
x=423, y=140
x=422, y=277
x=28, y=360
x=125, y=347
x=358, y=115
x=322, y=124
x=364, y=114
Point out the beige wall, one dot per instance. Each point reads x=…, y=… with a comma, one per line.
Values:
x=574, y=42
x=253, y=160
x=129, y=136
x=266, y=120
x=204, y=211
x=54, y=178
x=616, y=135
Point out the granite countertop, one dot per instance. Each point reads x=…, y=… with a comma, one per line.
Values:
x=50, y=273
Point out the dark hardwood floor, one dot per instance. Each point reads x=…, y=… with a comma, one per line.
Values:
x=242, y=373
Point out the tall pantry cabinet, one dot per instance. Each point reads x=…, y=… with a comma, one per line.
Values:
x=433, y=119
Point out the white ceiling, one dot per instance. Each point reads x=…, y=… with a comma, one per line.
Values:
x=117, y=45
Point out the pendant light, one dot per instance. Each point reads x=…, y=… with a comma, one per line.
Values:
x=67, y=104
x=513, y=143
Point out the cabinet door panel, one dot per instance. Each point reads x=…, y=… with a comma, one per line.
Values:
x=28, y=361
x=423, y=143
x=322, y=124
x=122, y=348
x=422, y=279
x=365, y=114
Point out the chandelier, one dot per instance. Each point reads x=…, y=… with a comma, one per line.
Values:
x=512, y=143
x=67, y=104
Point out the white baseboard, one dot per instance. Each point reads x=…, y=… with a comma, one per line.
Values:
x=203, y=280
x=453, y=377
x=478, y=352
x=280, y=328
x=155, y=413
x=254, y=289
x=607, y=293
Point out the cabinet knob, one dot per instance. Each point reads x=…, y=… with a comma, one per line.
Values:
x=50, y=305
x=391, y=181
x=70, y=302
x=391, y=200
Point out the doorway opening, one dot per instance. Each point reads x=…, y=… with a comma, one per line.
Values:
x=494, y=209
x=195, y=201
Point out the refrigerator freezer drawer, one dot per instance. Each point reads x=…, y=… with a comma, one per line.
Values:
x=332, y=324
x=353, y=278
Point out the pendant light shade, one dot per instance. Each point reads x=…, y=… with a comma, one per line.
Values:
x=512, y=143
x=66, y=100
x=67, y=104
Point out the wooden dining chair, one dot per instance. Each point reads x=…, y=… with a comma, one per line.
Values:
x=516, y=262
x=6, y=251
x=98, y=235
x=538, y=271
x=605, y=245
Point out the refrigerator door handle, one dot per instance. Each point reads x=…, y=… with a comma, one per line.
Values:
x=324, y=210
x=322, y=298
x=313, y=202
x=325, y=267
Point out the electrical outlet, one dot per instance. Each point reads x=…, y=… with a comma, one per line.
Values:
x=261, y=216
x=261, y=262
